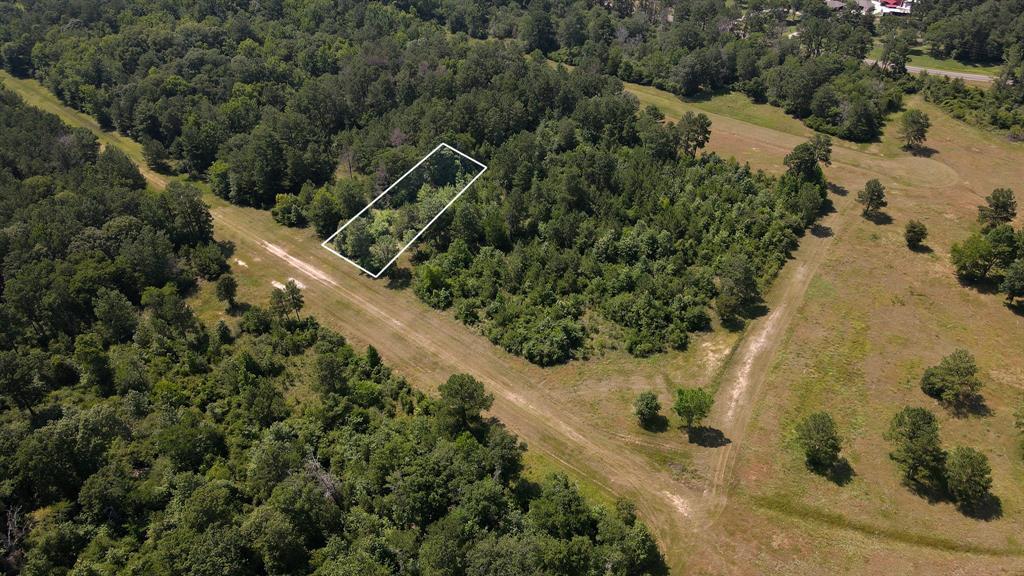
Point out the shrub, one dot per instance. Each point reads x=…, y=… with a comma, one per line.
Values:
x=915, y=234
x=819, y=439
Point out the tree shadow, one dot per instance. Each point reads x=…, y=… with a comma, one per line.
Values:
x=921, y=249
x=827, y=207
x=990, y=508
x=878, y=218
x=1016, y=307
x=841, y=473
x=922, y=151
x=837, y=189
x=399, y=278
x=821, y=231
x=973, y=406
x=982, y=286
x=707, y=437
x=657, y=423
x=238, y=308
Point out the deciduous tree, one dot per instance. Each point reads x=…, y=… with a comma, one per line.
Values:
x=693, y=405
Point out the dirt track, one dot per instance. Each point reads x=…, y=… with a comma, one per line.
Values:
x=426, y=346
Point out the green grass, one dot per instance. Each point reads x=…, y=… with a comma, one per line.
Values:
x=919, y=57
x=35, y=94
x=788, y=507
x=537, y=466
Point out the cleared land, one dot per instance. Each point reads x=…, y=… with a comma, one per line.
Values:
x=922, y=60
x=853, y=320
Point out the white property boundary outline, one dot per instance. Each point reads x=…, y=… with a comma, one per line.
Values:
x=388, y=189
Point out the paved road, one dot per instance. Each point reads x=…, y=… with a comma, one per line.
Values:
x=966, y=76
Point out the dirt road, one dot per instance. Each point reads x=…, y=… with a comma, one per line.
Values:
x=426, y=346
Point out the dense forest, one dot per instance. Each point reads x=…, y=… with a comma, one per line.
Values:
x=136, y=440
x=596, y=217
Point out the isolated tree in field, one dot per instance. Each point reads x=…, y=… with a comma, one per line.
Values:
x=227, y=289
x=693, y=405
x=913, y=128
x=463, y=398
x=968, y=477
x=915, y=234
x=694, y=132
x=646, y=407
x=819, y=438
x=954, y=380
x=1000, y=208
x=872, y=197
x=1013, y=280
x=916, y=448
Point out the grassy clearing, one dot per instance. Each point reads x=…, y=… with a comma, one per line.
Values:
x=793, y=509
x=920, y=57
x=874, y=316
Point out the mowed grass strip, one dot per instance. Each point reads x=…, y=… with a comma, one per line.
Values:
x=791, y=508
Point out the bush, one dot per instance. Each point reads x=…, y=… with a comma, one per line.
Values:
x=954, y=380
x=968, y=477
x=819, y=439
x=915, y=234
x=646, y=408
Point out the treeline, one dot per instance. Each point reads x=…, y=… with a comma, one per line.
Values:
x=980, y=31
x=994, y=255
x=595, y=217
x=136, y=440
x=1000, y=107
x=812, y=72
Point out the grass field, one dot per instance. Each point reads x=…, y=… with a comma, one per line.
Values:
x=919, y=56
x=854, y=319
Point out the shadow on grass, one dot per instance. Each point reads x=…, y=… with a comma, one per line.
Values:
x=921, y=249
x=878, y=218
x=398, y=278
x=1016, y=307
x=707, y=437
x=973, y=406
x=750, y=312
x=990, y=508
x=983, y=286
x=922, y=151
x=840, y=474
x=837, y=189
x=658, y=423
x=238, y=308
x=821, y=231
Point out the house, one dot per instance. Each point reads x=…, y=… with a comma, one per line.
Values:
x=892, y=6
x=867, y=6
x=874, y=6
